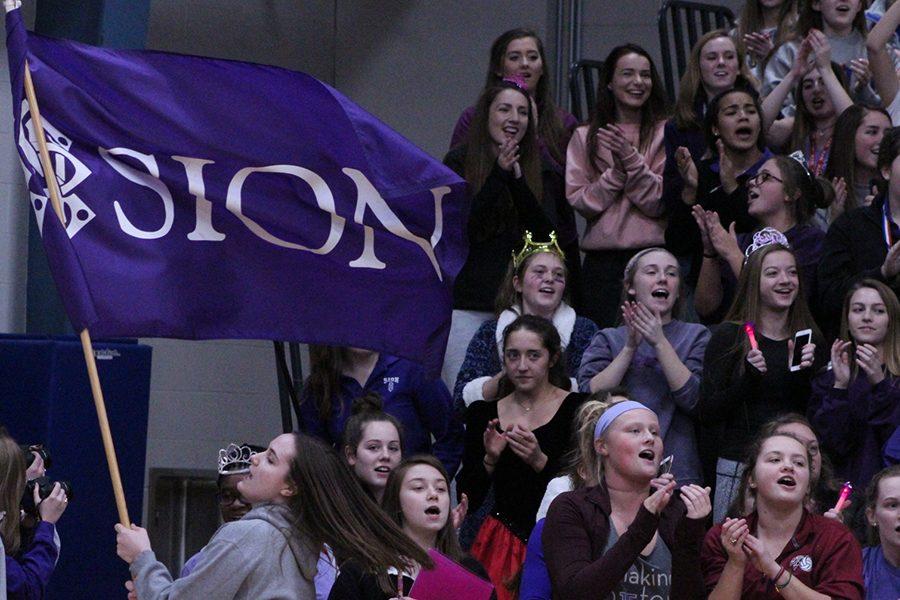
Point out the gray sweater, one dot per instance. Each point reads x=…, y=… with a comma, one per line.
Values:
x=258, y=557
x=647, y=384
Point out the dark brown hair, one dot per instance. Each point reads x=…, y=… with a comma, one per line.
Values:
x=367, y=409
x=481, y=159
x=711, y=120
x=330, y=507
x=652, y=112
x=807, y=191
x=803, y=120
x=550, y=129
x=550, y=341
x=842, y=157
x=447, y=543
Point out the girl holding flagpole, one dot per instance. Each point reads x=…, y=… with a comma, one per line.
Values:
x=303, y=497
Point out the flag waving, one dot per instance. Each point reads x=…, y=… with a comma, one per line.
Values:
x=209, y=198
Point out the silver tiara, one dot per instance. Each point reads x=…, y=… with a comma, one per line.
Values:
x=765, y=237
x=801, y=158
x=234, y=459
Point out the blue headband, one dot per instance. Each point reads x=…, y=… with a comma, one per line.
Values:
x=612, y=413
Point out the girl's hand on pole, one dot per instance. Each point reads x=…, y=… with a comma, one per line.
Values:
x=131, y=542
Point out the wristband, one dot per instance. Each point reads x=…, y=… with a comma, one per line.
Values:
x=714, y=255
x=779, y=588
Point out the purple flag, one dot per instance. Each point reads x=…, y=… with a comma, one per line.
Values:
x=219, y=199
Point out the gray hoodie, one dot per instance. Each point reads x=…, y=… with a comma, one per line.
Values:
x=259, y=557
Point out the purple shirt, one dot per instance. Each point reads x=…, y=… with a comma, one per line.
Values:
x=422, y=405
x=881, y=577
x=27, y=575
x=648, y=385
x=855, y=424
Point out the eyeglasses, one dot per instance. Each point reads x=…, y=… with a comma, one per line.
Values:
x=228, y=497
x=762, y=177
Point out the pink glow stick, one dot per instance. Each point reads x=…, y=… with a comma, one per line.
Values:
x=751, y=333
x=842, y=499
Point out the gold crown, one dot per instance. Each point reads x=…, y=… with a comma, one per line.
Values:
x=532, y=247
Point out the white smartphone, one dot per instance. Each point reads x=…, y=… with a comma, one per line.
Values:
x=801, y=338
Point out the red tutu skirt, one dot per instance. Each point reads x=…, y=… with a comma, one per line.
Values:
x=501, y=553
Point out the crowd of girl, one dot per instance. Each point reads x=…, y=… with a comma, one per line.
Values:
x=664, y=406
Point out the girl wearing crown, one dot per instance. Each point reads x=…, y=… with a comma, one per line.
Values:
x=512, y=191
x=536, y=283
x=303, y=497
x=783, y=196
x=747, y=378
x=516, y=444
x=656, y=356
x=614, y=171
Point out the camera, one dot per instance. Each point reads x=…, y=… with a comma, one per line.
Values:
x=44, y=486
x=41, y=451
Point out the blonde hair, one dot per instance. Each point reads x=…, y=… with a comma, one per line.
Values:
x=690, y=87
x=585, y=467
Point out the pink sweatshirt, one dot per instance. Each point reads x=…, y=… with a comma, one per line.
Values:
x=623, y=208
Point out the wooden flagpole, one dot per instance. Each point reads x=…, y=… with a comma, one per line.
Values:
x=96, y=390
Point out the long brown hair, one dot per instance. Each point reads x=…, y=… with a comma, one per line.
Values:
x=481, y=159
x=891, y=351
x=550, y=129
x=691, y=87
x=804, y=123
x=447, y=543
x=326, y=364
x=652, y=112
x=12, y=486
x=842, y=157
x=747, y=305
x=329, y=507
